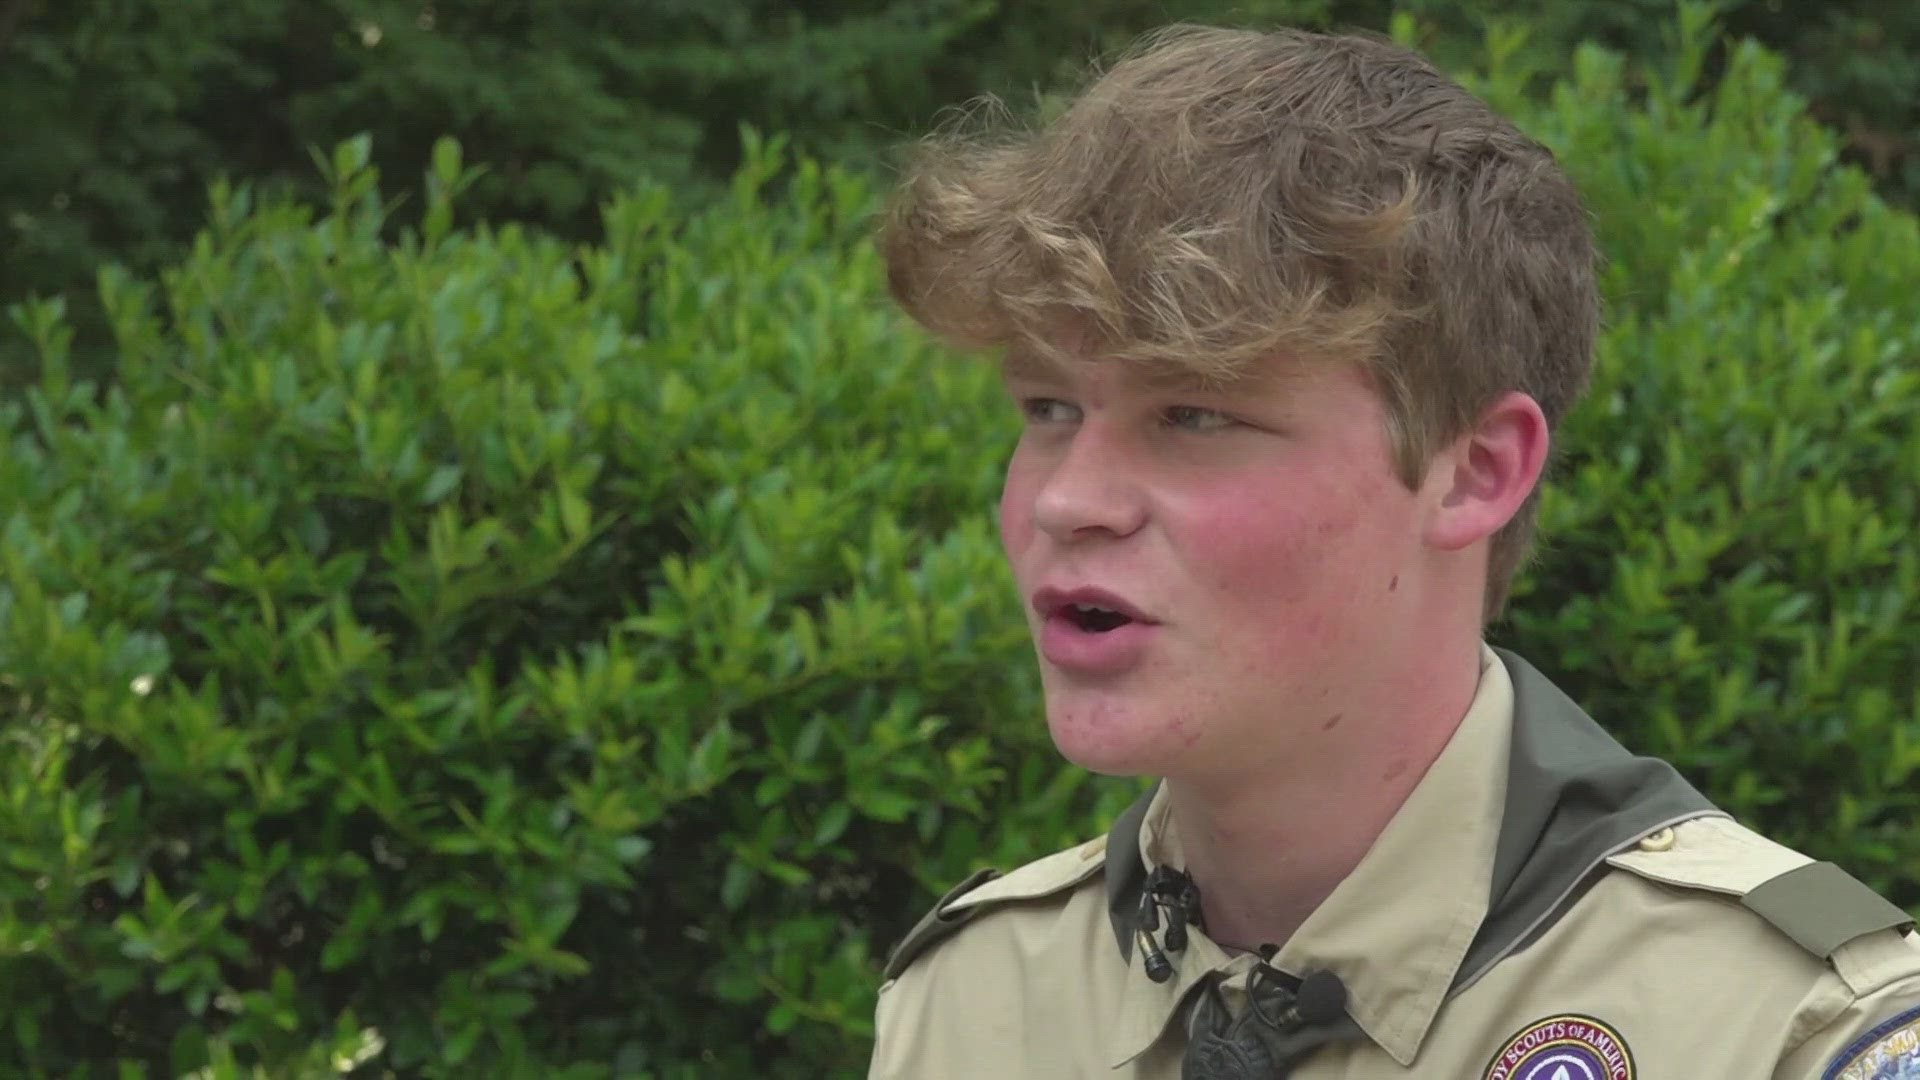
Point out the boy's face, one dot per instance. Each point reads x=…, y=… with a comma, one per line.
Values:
x=1255, y=545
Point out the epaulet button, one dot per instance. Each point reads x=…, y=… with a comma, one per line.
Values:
x=1657, y=840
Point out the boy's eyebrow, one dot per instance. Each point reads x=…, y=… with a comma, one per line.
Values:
x=1041, y=366
x=1038, y=366
x=1029, y=364
x=1244, y=382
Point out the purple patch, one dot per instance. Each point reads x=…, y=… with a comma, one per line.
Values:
x=1566, y=1047
x=1562, y=1063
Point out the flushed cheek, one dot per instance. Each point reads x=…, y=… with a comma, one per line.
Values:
x=1284, y=575
x=1028, y=471
x=1016, y=520
x=1271, y=548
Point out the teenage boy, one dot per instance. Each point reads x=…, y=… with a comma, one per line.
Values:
x=1291, y=319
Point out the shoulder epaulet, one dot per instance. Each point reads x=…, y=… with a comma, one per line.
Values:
x=1823, y=907
x=935, y=925
x=983, y=890
x=1817, y=904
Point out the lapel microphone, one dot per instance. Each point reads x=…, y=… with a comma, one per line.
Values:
x=1262, y=1043
x=1258, y=1044
x=1175, y=893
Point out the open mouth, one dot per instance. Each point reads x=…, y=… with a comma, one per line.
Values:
x=1094, y=620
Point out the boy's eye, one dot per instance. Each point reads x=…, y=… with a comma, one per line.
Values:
x=1048, y=411
x=1196, y=418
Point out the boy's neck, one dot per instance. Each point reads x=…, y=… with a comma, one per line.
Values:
x=1266, y=851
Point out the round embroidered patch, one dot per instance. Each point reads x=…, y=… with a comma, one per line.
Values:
x=1891, y=1051
x=1563, y=1048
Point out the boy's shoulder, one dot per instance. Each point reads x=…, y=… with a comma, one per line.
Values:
x=1052, y=877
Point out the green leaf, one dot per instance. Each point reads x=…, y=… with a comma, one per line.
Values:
x=832, y=823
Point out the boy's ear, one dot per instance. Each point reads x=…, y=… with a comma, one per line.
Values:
x=1485, y=476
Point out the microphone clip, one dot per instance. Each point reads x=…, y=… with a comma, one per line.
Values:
x=1173, y=892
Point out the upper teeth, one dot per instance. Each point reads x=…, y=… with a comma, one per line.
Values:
x=1089, y=609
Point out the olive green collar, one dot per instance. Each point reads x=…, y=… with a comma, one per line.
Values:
x=1574, y=797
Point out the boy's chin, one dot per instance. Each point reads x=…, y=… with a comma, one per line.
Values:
x=1114, y=742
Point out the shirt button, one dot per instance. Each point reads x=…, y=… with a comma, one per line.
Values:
x=1658, y=840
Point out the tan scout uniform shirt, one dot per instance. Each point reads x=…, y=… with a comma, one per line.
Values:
x=1653, y=967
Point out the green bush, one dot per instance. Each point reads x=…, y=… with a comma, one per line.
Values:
x=565, y=662
x=119, y=113
x=1733, y=580
x=1856, y=60
x=481, y=655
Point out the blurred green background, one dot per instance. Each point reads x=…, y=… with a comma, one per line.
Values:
x=488, y=586
x=119, y=113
